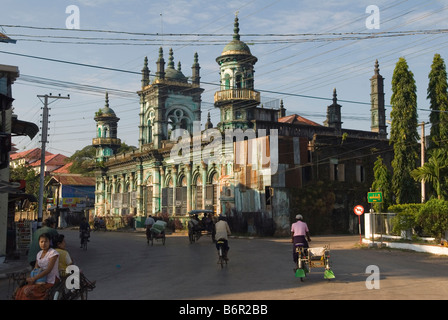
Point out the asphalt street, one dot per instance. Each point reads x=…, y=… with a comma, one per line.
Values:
x=126, y=268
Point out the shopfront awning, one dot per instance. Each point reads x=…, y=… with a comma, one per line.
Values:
x=23, y=128
x=21, y=196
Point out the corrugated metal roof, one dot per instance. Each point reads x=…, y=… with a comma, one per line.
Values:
x=75, y=180
x=296, y=119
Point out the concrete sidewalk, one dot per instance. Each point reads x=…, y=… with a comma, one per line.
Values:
x=10, y=266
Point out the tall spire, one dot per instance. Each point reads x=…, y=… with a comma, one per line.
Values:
x=377, y=67
x=195, y=78
x=107, y=100
x=208, y=124
x=236, y=29
x=145, y=73
x=171, y=59
x=160, y=74
x=377, y=110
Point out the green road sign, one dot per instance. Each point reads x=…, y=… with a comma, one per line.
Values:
x=374, y=197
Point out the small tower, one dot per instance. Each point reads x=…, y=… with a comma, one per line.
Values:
x=169, y=102
x=106, y=141
x=334, y=114
x=195, y=78
x=282, y=110
x=208, y=124
x=378, y=111
x=160, y=74
x=237, y=99
x=145, y=73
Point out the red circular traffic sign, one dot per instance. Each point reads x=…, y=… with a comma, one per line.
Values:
x=359, y=210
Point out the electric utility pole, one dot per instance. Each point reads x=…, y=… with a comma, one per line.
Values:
x=44, y=135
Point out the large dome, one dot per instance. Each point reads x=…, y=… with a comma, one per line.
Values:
x=106, y=111
x=175, y=75
x=236, y=47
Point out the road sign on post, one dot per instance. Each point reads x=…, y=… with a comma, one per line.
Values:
x=374, y=197
x=359, y=210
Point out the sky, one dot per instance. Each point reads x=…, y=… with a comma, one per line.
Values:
x=305, y=49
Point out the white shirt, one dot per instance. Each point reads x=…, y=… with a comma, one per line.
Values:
x=43, y=263
x=222, y=230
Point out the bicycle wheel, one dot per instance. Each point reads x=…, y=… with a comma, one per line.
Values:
x=191, y=236
x=220, y=257
x=58, y=292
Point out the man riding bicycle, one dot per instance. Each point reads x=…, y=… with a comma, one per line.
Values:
x=300, y=234
x=222, y=232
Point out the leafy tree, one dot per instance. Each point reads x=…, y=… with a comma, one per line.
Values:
x=382, y=182
x=433, y=216
x=84, y=159
x=438, y=97
x=434, y=171
x=404, y=135
x=32, y=178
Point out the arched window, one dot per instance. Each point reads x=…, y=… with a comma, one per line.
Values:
x=227, y=82
x=99, y=132
x=149, y=137
x=238, y=81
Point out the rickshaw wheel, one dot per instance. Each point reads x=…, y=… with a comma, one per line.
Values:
x=191, y=236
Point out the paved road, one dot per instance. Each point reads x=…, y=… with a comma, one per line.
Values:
x=125, y=268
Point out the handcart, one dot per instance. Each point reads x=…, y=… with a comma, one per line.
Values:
x=157, y=232
x=311, y=258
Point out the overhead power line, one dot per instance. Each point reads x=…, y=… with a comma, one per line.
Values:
x=157, y=34
x=176, y=41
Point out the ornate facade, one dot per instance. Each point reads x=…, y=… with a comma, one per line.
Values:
x=245, y=167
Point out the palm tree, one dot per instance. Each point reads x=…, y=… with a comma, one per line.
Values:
x=434, y=171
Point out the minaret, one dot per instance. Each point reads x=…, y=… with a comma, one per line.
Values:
x=145, y=73
x=208, y=124
x=334, y=114
x=106, y=141
x=195, y=78
x=160, y=74
x=282, y=110
x=237, y=99
x=378, y=111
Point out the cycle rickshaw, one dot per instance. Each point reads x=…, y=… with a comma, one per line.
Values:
x=311, y=258
x=157, y=232
x=59, y=291
x=197, y=228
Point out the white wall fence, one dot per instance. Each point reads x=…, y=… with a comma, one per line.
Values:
x=378, y=230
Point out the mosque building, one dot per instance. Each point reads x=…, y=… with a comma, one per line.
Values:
x=251, y=166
